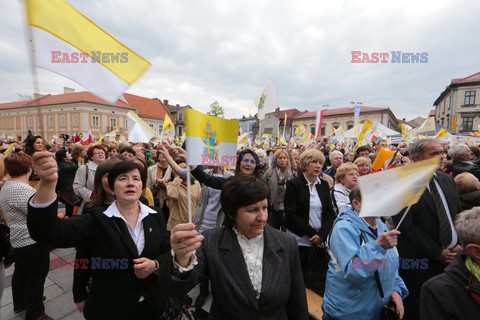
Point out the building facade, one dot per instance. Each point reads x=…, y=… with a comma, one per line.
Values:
x=457, y=107
x=178, y=112
x=49, y=115
x=249, y=125
x=275, y=119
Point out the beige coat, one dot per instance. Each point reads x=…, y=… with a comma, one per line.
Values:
x=178, y=203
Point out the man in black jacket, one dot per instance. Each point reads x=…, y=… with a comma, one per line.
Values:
x=462, y=160
x=427, y=231
x=455, y=294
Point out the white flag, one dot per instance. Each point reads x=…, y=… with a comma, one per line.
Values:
x=266, y=101
x=387, y=192
x=138, y=130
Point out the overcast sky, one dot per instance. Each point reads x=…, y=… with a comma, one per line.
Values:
x=226, y=50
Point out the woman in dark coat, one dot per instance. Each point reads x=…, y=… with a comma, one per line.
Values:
x=66, y=175
x=309, y=216
x=128, y=242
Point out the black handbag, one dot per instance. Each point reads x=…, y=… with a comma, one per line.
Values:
x=6, y=250
x=388, y=311
x=69, y=197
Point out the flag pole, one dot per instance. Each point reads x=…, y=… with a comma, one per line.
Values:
x=189, y=197
x=403, y=217
x=36, y=88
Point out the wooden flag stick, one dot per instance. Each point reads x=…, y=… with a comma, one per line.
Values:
x=403, y=217
x=189, y=197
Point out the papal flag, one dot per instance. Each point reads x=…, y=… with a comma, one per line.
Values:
x=266, y=100
x=68, y=43
x=383, y=159
x=9, y=150
x=168, y=130
x=386, y=193
x=356, y=120
x=427, y=125
x=210, y=140
x=138, y=130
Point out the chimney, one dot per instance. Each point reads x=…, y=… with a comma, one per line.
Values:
x=68, y=90
x=165, y=102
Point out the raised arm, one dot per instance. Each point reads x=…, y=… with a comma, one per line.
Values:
x=43, y=224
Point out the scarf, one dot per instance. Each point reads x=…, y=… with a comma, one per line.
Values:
x=473, y=267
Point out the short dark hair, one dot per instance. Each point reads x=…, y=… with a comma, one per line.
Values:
x=106, y=166
x=361, y=149
x=241, y=191
x=355, y=194
x=127, y=149
x=17, y=164
x=125, y=167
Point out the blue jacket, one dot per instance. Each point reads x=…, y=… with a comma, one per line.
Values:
x=351, y=291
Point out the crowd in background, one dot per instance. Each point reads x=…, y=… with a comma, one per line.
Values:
x=312, y=199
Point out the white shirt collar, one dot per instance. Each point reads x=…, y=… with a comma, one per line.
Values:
x=112, y=211
x=317, y=180
x=251, y=240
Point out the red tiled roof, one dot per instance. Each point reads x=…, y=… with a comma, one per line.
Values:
x=473, y=78
x=338, y=111
x=148, y=108
x=82, y=96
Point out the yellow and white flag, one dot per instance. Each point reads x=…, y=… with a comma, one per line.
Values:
x=387, y=192
x=168, y=130
x=138, y=130
x=210, y=140
x=266, y=100
x=443, y=135
x=9, y=150
x=100, y=138
x=339, y=134
x=366, y=133
x=68, y=43
x=427, y=125
x=383, y=158
x=242, y=141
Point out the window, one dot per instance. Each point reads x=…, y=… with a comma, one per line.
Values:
x=469, y=98
x=29, y=122
x=62, y=121
x=10, y=123
x=322, y=132
x=50, y=121
x=151, y=125
x=467, y=123
x=180, y=116
x=312, y=130
x=349, y=125
x=113, y=123
x=75, y=120
x=180, y=131
x=94, y=121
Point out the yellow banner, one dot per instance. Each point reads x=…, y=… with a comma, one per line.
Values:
x=201, y=125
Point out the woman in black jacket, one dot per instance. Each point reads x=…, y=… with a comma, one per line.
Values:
x=309, y=215
x=128, y=242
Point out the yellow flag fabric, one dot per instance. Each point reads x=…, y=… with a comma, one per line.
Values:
x=9, y=150
x=100, y=138
x=383, y=158
x=67, y=42
x=386, y=193
x=168, y=130
x=441, y=134
x=210, y=140
x=366, y=127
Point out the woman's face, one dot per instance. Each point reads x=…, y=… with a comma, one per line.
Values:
x=350, y=157
x=128, y=186
x=162, y=161
x=248, y=164
x=250, y=220
x=314, y=168
x=68, y=156
x=112, y=153
x=282, y=161
x=296, y=155
x=38, y=144
x=98, y=156
x=363, y=169
x=128, y=155
x=350, y=180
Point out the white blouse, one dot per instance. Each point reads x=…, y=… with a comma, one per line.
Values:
x=252, y=250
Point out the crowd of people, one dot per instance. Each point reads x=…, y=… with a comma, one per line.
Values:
x=285, y=218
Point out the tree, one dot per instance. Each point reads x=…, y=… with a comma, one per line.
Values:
x=216, y=110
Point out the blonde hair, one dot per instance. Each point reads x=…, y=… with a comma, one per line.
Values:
x=310, y=155
x=277, y=154
x=466, y=182
x=362, y=160
x=343, y=170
